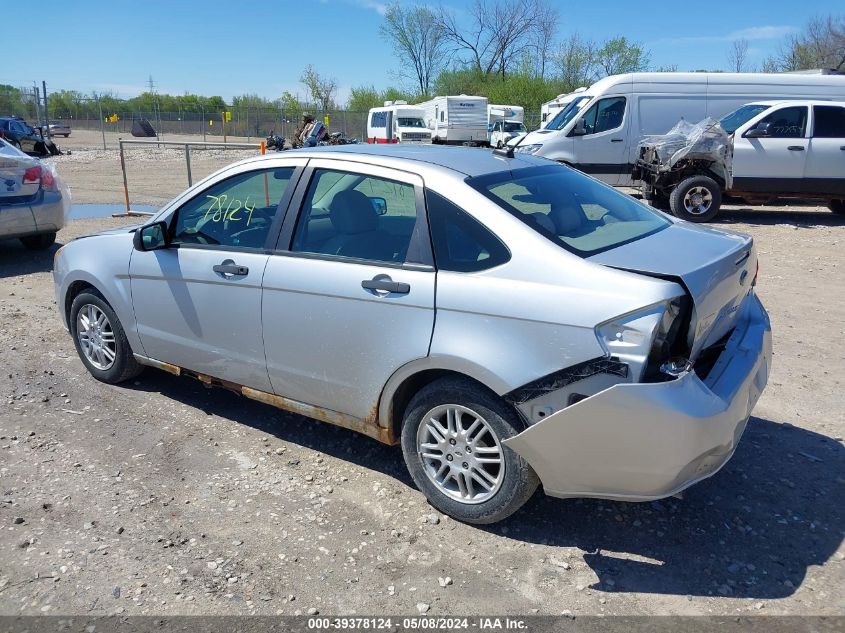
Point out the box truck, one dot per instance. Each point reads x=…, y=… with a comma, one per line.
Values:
x=600, y=129
x=504, y=123
x=397, y=122
x=456, y=120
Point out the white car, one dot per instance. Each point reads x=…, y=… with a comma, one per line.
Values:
x=770, y=149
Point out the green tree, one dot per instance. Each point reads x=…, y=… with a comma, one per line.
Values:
x=619, y=55
x=322, y=89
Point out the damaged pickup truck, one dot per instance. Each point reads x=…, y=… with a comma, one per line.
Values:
x=759, y=152
x=509, y=321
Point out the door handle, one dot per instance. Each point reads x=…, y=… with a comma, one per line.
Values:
x=842, y=148
x=229, y=268
x=616, y=140
x=795, y=148
x=386, y=284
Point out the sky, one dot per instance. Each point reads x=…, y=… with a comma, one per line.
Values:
x=230, y=48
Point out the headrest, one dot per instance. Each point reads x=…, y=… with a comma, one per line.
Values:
x=352, y=212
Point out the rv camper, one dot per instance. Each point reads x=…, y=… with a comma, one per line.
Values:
x=504, y=123
x=397, y=122
x=457, y=120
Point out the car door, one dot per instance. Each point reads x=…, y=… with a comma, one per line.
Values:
x=774, y=162
x=601, y=150
x=198, y=302
x=24, y=139
x=349, y=294
x=824, y=171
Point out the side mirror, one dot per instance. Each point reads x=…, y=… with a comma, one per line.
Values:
x=151, y=237
x=760, y=131
x=580, y=128
x=379, y=205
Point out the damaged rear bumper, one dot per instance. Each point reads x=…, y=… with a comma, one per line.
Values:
x=645, y=441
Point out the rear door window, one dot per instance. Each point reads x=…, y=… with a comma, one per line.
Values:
x=828, y=122
x=358, y=216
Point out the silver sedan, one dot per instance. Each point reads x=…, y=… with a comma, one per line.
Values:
x=508, y=320
x=34, y=202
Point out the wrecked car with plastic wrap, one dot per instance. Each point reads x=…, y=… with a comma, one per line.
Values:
x=508, y=320
x=759, y=152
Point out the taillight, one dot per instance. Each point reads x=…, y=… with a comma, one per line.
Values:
x=47, y=179
x=33, y=174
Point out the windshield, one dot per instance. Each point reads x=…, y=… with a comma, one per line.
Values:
x=739, y=117
x=512, y=126
x=410, y=122
x=580, y=214
x=567, y=113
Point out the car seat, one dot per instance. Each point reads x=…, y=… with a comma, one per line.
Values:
x=357, y=229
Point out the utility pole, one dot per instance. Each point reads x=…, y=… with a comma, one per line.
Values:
x=46, y=110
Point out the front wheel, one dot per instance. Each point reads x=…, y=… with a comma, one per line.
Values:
x=100, y=340
x=837, y=206
x=696, y=199
x=452, y=441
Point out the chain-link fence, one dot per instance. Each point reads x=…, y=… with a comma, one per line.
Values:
x=251, y=122
x=246, y=122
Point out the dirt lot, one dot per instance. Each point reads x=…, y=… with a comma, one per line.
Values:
x=160, y=496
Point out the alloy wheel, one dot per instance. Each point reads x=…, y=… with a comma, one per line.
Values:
x=461, y=454
x=96, y=336
x=697, y=200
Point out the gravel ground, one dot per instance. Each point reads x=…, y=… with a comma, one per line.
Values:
x=163, y=497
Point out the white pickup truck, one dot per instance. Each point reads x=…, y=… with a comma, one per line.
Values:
x=761, y=151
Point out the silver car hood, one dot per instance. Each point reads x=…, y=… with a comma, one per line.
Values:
x=716, y=267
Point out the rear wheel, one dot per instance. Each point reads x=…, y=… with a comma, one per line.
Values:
x=696, y=199
x=39, y=242
x=100, y=340
x=837, y=206
x=452, y=440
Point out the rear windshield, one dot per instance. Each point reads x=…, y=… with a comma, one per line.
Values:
x=580, y=214
x=739, y=117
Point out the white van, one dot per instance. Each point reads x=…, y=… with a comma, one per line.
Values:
x=599, y=130
x=457, y=119
x=397, y=122
x=504, y=122
x=549, y=109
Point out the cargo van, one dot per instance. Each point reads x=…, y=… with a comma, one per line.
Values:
x=504, y=122
x=456, y=120
x=397, y=122
x=599, y=130
x=549, y=109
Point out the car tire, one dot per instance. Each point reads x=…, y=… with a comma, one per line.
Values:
x=509, y=484
x=39, y=242
x=696, y=199
x=837, y=206
x=121, y=364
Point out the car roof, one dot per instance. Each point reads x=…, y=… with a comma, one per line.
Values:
x=463, y=160
x=774, y=102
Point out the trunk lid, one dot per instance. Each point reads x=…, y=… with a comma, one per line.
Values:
x=715, y=266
